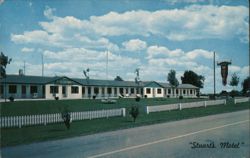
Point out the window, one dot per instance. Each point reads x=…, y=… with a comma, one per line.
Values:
x=121, y=90
x=103, y=90
x=132, y=91
x=177, y=91
x=148, y=90
x=109, y=90
x=64, y=90
x=137, y=90
x=33, y=89
x=1, y=89
x=184, y=91
x=12, y=88
x=115, y=91
x=158, y=91
x=83, y=90
x=89, y=90
x=169, y=91
x=23, y=89
x=191, y=91
x=74, y=90
x=126, y=90
x=96, y=90
x=53, y=89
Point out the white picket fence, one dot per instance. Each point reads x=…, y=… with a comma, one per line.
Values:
x=159, y=108
x=43, y=119
x=241, y=100
x=181, y=106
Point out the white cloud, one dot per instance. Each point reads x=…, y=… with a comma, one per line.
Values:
x=38, y=37
x=48, y=12
x=76, y=59
x=134, y=45
x=1, y=2
x=199, y=53
x=190, y=23
x=173, y=2
x=27, y=50
x=160, y=52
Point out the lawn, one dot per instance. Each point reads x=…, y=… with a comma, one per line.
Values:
x=15, y=136
x=55, y=106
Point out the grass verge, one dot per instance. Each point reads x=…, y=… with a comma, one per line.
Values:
x=56, y=106
x=15, y=136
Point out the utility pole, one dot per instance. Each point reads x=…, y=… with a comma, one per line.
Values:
x=214, y=77
x=42, y=66
x=24, y=67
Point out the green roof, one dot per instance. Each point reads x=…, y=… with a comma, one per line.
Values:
x=18, y=79
x=189, y=86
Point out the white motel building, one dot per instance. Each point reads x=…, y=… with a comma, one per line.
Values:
x=22, y=86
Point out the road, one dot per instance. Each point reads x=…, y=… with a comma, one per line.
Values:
x=173, y=139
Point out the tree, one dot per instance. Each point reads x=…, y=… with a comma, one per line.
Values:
x=3, y=61
x=191, y=77
x=234, y=80
x=118, y=78
x=172, y=79
x=246, y=85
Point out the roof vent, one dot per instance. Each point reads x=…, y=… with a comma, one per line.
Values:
x=20, y=72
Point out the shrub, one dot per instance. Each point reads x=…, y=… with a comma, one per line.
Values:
x=137, y=98
x=181, y=97
x=211, y=96
x=168, y=96
x=11, y=99
x=94, y=97
x=56, y=98
x=134, y=112
x=235, y=93
x=66, y=119
x=145, y=96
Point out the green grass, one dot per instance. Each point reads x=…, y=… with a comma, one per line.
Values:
x=52, y=106
x=14, y=136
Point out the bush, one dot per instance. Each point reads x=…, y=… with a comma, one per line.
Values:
x=168, y=96
x=211, y=97
x=66, y=119
x=94, y=96
x=137, y=98
x=56, y=98
x=235, y=93
x=181, y=97
x=134, y=112
x=145, y=96
x=11, y=99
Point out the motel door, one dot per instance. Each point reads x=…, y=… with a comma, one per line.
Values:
x=64, y=91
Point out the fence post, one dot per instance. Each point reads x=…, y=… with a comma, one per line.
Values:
x=180, y=106
x=123, y=112
x=147, y=110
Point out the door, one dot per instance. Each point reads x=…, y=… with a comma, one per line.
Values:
x=64, y=91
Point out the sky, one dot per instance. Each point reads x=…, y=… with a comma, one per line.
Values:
x=113, y=38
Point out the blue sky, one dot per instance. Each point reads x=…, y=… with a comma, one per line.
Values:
x=155, y=36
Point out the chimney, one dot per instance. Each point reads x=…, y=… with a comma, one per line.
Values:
x=20, y=72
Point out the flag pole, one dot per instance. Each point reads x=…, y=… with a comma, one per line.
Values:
x=214, y=77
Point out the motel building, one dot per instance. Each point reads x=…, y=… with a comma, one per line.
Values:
x=28, y=87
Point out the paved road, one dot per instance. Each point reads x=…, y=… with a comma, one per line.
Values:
x=161, y=140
